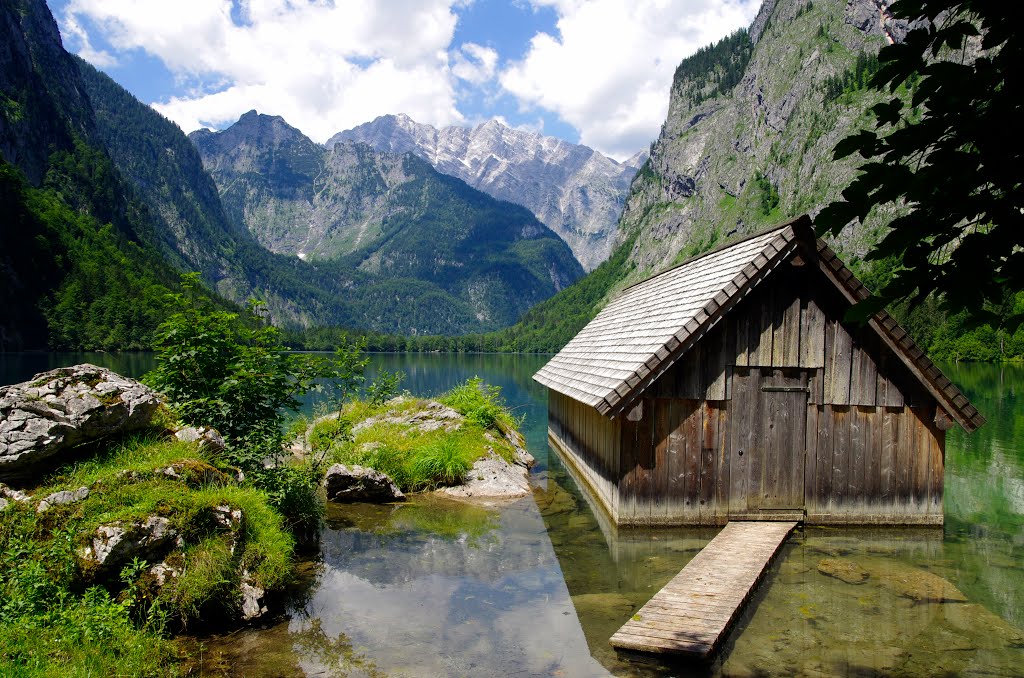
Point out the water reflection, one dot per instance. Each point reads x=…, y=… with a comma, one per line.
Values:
x=537, y=587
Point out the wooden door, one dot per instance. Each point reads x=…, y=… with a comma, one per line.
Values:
x=768, y=423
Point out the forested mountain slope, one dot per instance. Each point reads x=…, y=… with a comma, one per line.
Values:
x=461, y=260
x=107, y=202
x=733, y=159
x=747, y=143
x=574, y=190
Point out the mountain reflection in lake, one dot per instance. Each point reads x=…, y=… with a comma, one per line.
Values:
x=536, y=587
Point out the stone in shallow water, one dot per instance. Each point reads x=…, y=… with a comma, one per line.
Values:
x=843, y=569
x=357, y=483
x=918, y=585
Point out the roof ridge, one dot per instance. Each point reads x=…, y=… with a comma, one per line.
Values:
x=712, y=311
x=715, y=250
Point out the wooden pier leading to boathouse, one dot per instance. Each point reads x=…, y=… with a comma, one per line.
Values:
x=692, y=614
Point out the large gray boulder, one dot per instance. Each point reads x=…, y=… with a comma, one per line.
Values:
x=64, y=408
x=357, y=483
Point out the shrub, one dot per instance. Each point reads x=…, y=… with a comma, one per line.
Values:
x=480, y=403
x=384, y=387
x=234, y=373
x=328, y=432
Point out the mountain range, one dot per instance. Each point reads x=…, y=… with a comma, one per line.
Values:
x=576, y=191
x=748, y=142
x=389, y=223
x=92, y=170
x=338, y=235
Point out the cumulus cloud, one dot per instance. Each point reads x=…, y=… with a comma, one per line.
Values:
x=609, y=69
x=323, y=66
x=329, y=65
x=74, y=31
x=475, y=63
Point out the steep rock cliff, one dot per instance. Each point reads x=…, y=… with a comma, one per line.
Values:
x=574, y=190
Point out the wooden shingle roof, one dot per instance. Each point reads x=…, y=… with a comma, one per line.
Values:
x=641, y=333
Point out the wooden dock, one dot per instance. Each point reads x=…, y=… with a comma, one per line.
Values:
x=692, y=613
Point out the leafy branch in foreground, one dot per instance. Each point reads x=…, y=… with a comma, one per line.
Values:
x=943, y=155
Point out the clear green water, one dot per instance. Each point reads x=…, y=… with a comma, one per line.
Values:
x=538, y=586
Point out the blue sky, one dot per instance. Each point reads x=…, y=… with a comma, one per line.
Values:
x=591, y=71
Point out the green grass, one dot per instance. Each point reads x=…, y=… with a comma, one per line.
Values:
x=420, y=460
x=480, y=403
x=61, y=615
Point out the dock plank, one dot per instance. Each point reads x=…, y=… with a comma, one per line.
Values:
x=693, y=612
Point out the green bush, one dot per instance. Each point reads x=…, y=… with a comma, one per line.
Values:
x=384, y=387
x=328, y=432
x=234, y=373
x=480, y=403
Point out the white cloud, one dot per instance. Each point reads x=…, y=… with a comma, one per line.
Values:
x=323, y=66
x=609, y=69
x=475, y=63
x=100, y=58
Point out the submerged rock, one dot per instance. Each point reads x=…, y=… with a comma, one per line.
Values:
x=920, y=585
x=843, y=569
x=357, y=483
x=64, y=408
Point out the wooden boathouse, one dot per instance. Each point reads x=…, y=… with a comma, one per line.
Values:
x=730, y=387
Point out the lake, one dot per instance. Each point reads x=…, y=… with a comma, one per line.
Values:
x=536, y=587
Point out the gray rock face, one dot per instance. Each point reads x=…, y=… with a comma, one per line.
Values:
x=252, y=598
x=64, y=408
x=357, y=483
x=710, y=170
x=491, y=477
x=577, y=192
x=62, y=498
x=116, y=544
x=208, y=439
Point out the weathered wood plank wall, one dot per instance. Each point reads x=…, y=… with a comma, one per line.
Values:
x=780, y=406
x=595, y=442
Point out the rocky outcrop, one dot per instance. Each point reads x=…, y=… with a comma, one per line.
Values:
x=576, y=191
x=734, y=162
x=252, y=595
x=62, y=498
x=117, y=543
x=63, y=409
x=208, y=439
x=432, y=416
x=9, y=495
x=491, y=477
x=359, y=484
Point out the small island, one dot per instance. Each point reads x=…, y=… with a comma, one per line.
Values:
x=464, y=444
